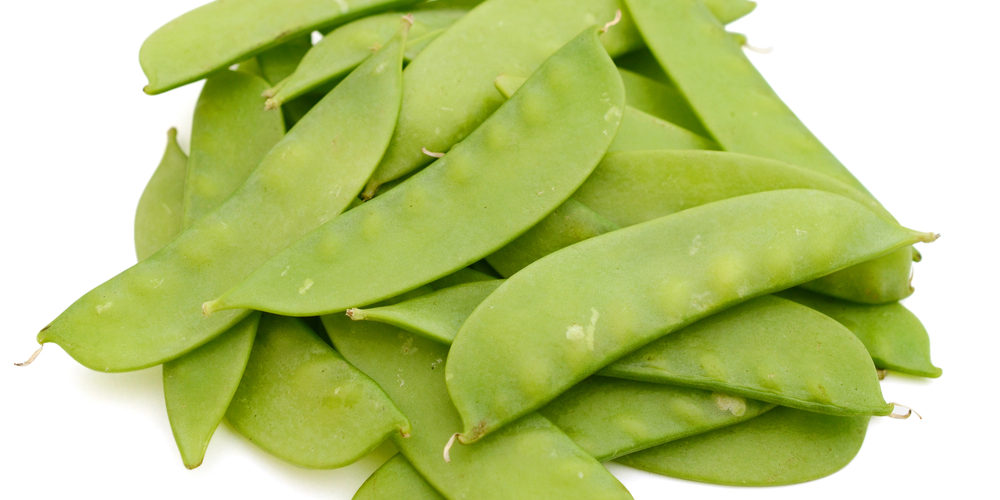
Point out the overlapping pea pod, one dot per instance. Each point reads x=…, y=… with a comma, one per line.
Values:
x=151, y=313
x=798, y=358
x=160, y=213
x=345, y=47
x=545, y=462
x=468, y=204
x=744, y=115
x=525, y=344
x=215, y=35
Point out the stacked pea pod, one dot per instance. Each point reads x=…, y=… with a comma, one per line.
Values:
x=537, y=220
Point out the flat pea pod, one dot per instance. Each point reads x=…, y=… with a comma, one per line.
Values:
x=160, y=213
x=546, y=463
x=448, y=89
x=230, y=135
x=660, y=100
x=525, y=344
x=301, y=401
x=468, y=204
x=345, y=47
x=745, y=115
x=768, y=349
x=783, y=446
x=305, y=180
x=893, y=335
x=216, y=35
x=396, y=478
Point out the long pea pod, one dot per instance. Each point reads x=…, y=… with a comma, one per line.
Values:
x=280, y=61
x=783, y=446
x=468, y=204
x=347, y=46
x=526, y=344
x=224, y=32
x=546, y=463
x=745, y=115
x=160, y=213
x=152, y=312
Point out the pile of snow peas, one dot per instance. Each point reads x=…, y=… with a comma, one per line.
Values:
x=505, y=235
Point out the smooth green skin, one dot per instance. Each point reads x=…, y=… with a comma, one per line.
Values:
x=783, y=446
x=544, y=461
x=396, y=479
x=345, y=47
x=727, y=11
x=643, y=63
x=152, y=312
x=464, y=275
x=660, y=100
x=768, y=349
x=894, y=337
x=533, y=338
x=159, y=216
x=745, y=115
x=224, y=32
x=230, y=135
x=448, y=89
x=277, y=63
x=473, y=201
x=301, y=401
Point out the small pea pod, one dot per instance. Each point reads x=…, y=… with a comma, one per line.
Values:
x=215, y=35
x=305, y=180
x=160, y=213
x=893, y=335
x=526, y=344
x=468, y=204
x=300, y=400
x=744, y=115
x=783, y=446
x=546, y=463
x=396, y=478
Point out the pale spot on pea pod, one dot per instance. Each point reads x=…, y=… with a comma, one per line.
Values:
x=695, y=245
x=733, y=404
x=579, y=333
x=306, y=285
x=100, y=308
x=344, y=7
x=407, y=348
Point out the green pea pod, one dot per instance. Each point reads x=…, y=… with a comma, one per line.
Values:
x=305, y=180
x=546, y=463
x=783, y=446
x=767, y=349
x=744, y=115
x=660, y=100
x=396, y=478
x=893, y=335
x=347, y=46
x=468, y=204
x=526, y=344
x=216, y=35
x=280, y=61
x=160, y=213
x=727, y=11
x=301, y=401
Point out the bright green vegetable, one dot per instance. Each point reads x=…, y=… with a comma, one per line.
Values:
x=160, y=213
x=396, y=478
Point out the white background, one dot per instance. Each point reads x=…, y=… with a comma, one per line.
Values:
x=904, y=92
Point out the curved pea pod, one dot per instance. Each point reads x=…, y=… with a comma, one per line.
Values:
x=744, y=115
x=448, y=89
x=160, y=213
x=396, y=478
x=301, y=401
x=221, y=33
x=894, y=337
x=546, y=463
x=727, y=11
x=230, y=134
x=783, y=446
x=345, y=47
x=768, y=349
x=152, y=313
x=532, y=338
x=468, y=204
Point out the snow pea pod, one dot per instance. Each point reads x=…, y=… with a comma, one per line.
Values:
x=301, y=401
x=546, y=463
x=526, y=344
x=745, y=115
x=152, y=313
x=345, y=47
x=893, y=335
x=396, y=478
x=216, y=35
x=662, y=101
x=160, y=213
x=468, y=204
x=783, y=446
